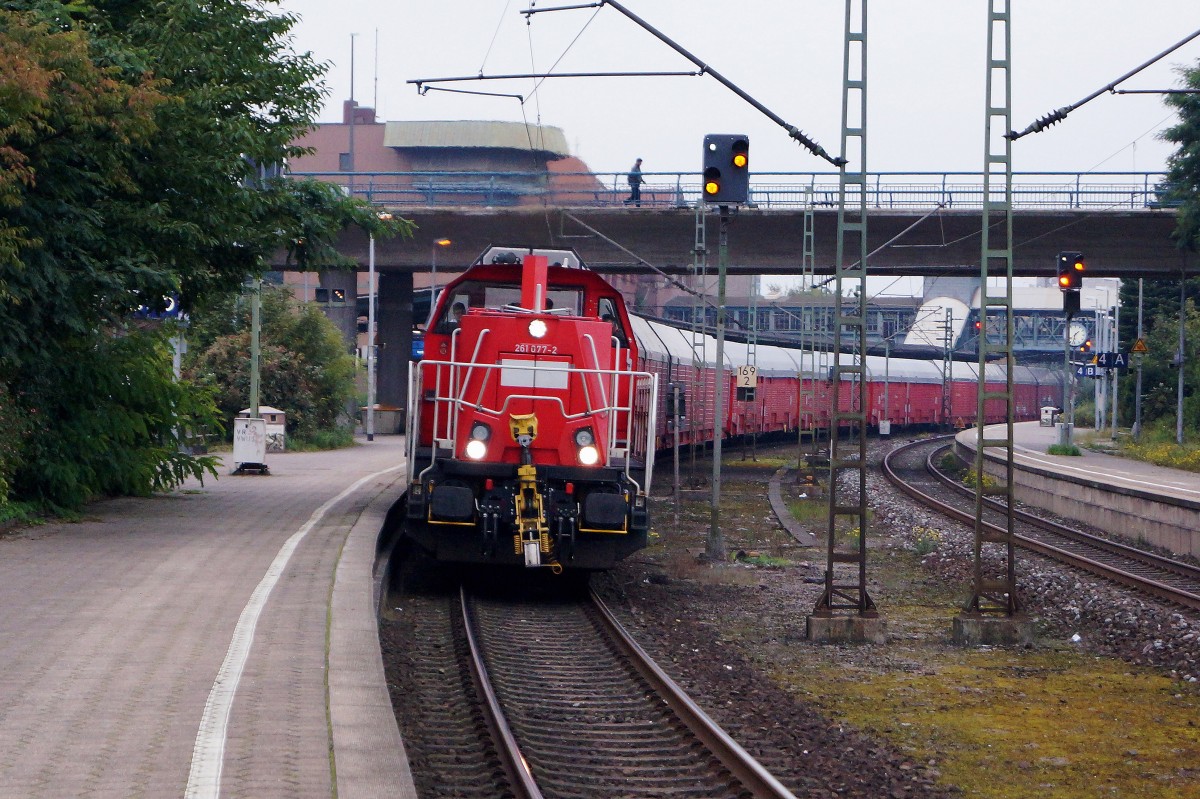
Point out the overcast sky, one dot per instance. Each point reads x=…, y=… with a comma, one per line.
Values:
x=925, y=75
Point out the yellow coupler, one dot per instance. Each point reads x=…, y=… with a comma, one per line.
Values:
x=533, y=532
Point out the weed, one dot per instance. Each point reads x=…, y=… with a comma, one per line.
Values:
x=926, y=539
x=989, y=483
x=951, y=463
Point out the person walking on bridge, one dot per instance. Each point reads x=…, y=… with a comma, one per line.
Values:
x=635, y=184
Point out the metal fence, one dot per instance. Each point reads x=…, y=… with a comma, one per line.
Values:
x=770, y=190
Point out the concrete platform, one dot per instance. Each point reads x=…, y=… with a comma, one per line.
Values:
x=219, y=640
x=1134, y=499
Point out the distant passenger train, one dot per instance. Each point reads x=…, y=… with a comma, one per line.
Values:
x=533, y=413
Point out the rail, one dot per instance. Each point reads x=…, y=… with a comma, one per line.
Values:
x=1138, y=569
x=768, y=190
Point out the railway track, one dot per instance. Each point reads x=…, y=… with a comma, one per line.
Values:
x=912, y=468
x=551, y=698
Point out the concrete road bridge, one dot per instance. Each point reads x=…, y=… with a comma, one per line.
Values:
x=918, y=223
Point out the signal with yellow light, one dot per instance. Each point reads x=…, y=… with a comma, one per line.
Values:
x=1071, y=267
x=726, y=168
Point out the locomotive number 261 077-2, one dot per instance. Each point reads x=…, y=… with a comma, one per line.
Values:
x=536, y=349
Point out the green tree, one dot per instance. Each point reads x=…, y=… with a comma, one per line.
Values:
x=129, y=134
x=1183, y=165
x=1161, y=298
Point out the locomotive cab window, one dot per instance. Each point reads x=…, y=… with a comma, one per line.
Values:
x=608, y=313
x=498, y=296
x=452, y=313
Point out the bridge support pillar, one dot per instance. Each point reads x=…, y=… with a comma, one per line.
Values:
x=394, y=326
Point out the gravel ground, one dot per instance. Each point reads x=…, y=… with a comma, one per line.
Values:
x=730, y=633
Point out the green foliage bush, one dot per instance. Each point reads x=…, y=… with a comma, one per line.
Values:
x=109, y=418
x=14, y=428
x=304, y=368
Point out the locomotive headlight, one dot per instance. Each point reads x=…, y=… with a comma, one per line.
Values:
x=477, y=446
x=589, y=455
x=537, y=328
x=584, y=437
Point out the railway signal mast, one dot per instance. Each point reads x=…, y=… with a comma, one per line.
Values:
x=1071, y=266
x=726, y=182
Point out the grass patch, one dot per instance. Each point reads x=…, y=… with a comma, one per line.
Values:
x=321, y=440
x=761, y=560
x=1033, y=716
x=1158, y=447
x=810, y=510
x=1064, y=449
x=734, y=458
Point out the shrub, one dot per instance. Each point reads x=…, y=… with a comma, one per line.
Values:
x=305, y=369
x=14, y=427
x=114, y=422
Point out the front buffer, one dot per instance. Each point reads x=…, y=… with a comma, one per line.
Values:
x=554, y=516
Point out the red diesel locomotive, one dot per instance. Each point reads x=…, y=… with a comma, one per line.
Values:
x=531, y=427
x=532, y=414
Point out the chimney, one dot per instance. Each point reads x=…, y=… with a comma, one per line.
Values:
x=362, y=115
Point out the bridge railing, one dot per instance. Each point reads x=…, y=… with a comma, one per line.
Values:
x=777, y=190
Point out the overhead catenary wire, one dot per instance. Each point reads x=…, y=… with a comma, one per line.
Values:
x=495, y=35
x=795, y=133
x=1061, y=113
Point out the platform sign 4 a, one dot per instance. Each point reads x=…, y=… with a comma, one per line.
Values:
x=1112, y=360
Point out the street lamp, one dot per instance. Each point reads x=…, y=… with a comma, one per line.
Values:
x=371, y=331
x=433, y=270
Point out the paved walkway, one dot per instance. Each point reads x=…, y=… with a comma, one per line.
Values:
x=218, y=641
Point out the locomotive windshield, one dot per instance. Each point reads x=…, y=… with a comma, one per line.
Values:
x=479, y=294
